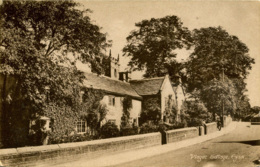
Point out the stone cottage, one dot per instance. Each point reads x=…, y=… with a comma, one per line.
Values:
x=115, y=91
x=159, y=88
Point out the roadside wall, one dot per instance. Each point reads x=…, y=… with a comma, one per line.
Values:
x=30, y=156
x=181, y=134
x=227, y=120
x=210, y=128
x=201, y=130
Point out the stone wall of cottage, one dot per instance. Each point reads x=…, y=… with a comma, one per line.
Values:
x=180, y=99
x=166, y=91
x=135, y=111
x=115, y=110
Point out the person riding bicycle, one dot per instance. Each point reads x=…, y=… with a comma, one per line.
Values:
x=218, y=122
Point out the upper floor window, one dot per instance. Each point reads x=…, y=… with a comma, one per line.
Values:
x=111, y=100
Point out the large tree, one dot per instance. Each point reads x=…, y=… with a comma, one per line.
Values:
x=36, y=39
x=151, y=46
x=55, y=26
x=216, y=50
x=218, y=66
x=242, y=101
x=219, y=96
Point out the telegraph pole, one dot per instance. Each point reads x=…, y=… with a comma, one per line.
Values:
x=223, y=106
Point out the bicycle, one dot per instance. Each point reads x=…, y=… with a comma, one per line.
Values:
x=219, y=125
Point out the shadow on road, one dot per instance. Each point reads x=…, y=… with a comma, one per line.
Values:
x=256, y=162
x=249, y=142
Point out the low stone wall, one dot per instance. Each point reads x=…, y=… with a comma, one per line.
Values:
x=181, y=134
x=210, y=127
x=201, y=130
x=255, y=123
x=227, y=120
x=30, y=156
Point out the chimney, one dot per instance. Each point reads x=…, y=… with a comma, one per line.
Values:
x=124, y=76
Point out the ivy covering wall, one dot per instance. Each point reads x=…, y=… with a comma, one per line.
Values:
x=127, y=106
x=151, y=109
x=63, y=121
x=89, y=108
x=170, y=113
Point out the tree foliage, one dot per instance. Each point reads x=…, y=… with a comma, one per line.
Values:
x=217, y=53
x=109, y=130
x=216, y=50
x=256, y=109
x=218, y=93
x=151, y=110
x=194, y=113
x=243, y=107
x=55, y=26
x=241, y=99
x=92, y=109
x=170, y=112
x=127, y=106
x=40, y=42
x=151, y=46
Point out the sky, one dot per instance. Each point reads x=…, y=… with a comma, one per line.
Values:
x=239, y=18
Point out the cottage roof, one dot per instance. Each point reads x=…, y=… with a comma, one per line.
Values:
x=151, y=86
x=111, y=86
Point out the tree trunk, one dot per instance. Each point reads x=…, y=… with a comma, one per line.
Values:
x=3, y=112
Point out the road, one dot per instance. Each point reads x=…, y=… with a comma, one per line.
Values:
x=239, y=148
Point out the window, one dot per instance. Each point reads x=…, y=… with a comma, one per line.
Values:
x=51, y=123
x=111, y=101
x=81, y=96
x=81, y=126
x=135, y=122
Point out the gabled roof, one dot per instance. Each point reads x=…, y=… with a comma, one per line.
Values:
x=151, y=86
x=111, y=86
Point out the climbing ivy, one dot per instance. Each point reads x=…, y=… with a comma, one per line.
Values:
x=93, y=110
x=151, y=110
x=63, y=121
x=90, y=108
x=170, y=112
x=127, y=106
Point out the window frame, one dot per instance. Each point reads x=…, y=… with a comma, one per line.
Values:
x=111, y=101
x=80, y=130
